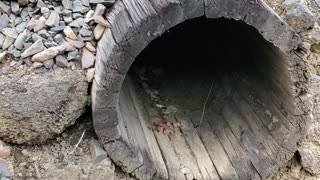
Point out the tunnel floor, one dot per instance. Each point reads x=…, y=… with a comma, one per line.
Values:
x=206, y=106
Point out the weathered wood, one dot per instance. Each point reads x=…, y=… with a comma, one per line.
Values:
x=204, y=162
x=216, y=151
x=135, y=146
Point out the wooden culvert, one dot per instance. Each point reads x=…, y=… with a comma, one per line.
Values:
x=219, y=89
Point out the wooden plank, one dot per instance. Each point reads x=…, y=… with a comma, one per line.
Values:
x=172, y=162
x=237, y=155
x=215, y=149
x=184, y=153
x=153, y=148
x=205, y=164
x=136, y=136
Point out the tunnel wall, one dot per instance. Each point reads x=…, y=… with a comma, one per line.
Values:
x=136, y=23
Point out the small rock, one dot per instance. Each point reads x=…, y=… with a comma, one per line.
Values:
x=50, y=44
x=101, y=20
x=45, y=11
x=41, y=4
x=73, y=55
x=10, y=32
x=76, y=15
x=40, y=25
x=8, y=41
x=67, y=4
x=98, y=31
x=58, y=28
x=76, y=44
x=90, y=47
x=98, y=154
x=53, y=19
x=84, y=31
x=45, y=55
x=21, y=27
x=89, y=78
x=28, y=62
x=37, y=65
x=31, y=24
x=4, y=170
x=85, y=3
x=16, y=53
x=100, y=9
x=15, y=7
x=36, y=37
x=69, y=33
x=4, y=8
x=66, y=47
x=20, y=40
x=298, y=15
x=78, y=7
x=48, y=64
x=17, y=21
x=87, y=59
x=44, y=33
x=34, y=49
x=23, y=2
x=58, y=38
x=13, y=63
x=89, y=15
x=61, y=61
x=3, y=57
x=4, y=21
x=78, y=23
x=67, y=19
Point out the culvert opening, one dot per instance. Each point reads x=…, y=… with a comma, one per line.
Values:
x=209, y=99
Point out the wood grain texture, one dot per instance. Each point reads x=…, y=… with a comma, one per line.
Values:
x=271, y=131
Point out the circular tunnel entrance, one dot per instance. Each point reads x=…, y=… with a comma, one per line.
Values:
x=213, y=96
x=208, y=99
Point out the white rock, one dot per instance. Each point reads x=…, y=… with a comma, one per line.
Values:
x=35, y=48
x=90, y=75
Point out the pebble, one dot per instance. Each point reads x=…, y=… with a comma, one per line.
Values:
x=87, y=59
x=4, y=8
x=48, y=64
x=58, y=38
x=35, y=48
x=77, y=6
x=98, y=154
x=79, y=22
x=37, y=65
x=100, y=9
x=90, y=47
x=61, y=61
x=4, y=21
x=90, y=76
x=98, y=31
x=53, y=19
x=57, y=28
x=101, y=20
x=85, y=31
x=20, y=40
x=73, y=55
x=105, y=2
x=8, y=41
x=77, y=44
x=67, y=4
x=3, y=56
x=28, y=62
x=67, y=19
x=40, y=25
x=40, y=4
x=69, y=33
x=21, y=27
x=15, y=7
x=4, y=170
x=10, y=32
x=45, y=55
